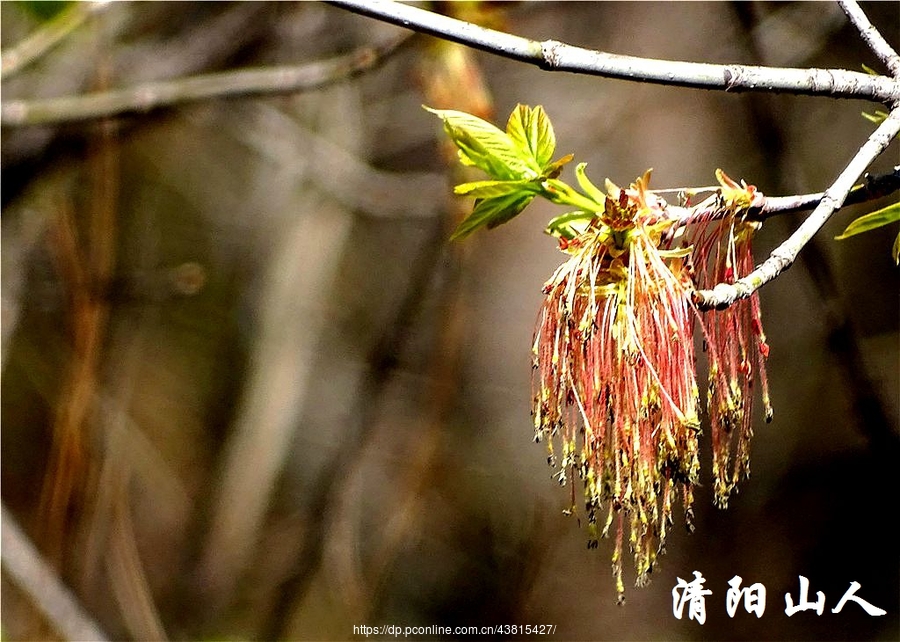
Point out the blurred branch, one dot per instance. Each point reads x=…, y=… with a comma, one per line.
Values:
x=872, y=37
x=28, y=570
x=207, y=43
x=382, y=362
x=724, y=294
x=302, y=268
x=349, y=179
x=558, y=56
x=152, y=95
x=46, y=37
x=128, y=578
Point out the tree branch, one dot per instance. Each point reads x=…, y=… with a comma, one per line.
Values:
x=872, y=37
x=764, y=207
x=873, y=187
x=557, y=56
x=152, y=95
x=28, y=570
x=724, y=294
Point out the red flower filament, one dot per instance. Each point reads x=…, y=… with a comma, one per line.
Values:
x=614, y=361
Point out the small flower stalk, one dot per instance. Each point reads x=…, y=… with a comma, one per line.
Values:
x=615, y=391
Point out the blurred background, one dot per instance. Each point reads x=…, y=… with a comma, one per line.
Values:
x=250, y=391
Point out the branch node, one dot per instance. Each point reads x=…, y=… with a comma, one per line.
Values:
x=730, y=78
x=550, y=53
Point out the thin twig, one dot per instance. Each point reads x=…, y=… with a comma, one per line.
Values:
x=46, y=37
x=152, y=95
x=872, y=37
x=557, y=56
x=874, y=187
x=764, y=207
x=28, y=570
x=724, y=294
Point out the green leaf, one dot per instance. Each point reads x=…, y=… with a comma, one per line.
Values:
x=532, y=131
x=895, y=251
x=589, y=188
x=484, y=146
x=564, y=224
x=557, y=191
x=874, y=220
x=492, y=212
x=492, y=189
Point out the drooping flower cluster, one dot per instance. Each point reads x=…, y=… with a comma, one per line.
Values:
x=736, y=344
x=614, y=374
x=614, y=364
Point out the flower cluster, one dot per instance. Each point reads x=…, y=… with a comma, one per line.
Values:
x=736, y=344
x=615, y=367
x=614, y=383
x=614, y=374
